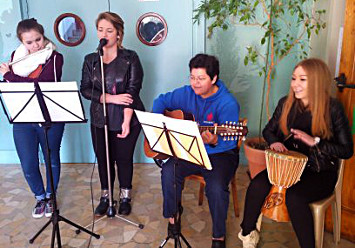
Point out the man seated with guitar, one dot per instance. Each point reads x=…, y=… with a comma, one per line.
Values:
x=208, y=99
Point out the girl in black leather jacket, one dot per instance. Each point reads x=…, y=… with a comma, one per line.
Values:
x=123, y=78
x=309, y=121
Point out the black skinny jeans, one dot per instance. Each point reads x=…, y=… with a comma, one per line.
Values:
x=121, y=152
x=312, y=187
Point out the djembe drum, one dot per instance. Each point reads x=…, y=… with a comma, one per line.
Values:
x=284, y=170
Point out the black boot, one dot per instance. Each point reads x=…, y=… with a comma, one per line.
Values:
x=101, y=209
x=125, y=202
x=218, y=243
x=175, y=229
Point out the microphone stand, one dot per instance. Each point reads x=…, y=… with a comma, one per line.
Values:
x=111, y=211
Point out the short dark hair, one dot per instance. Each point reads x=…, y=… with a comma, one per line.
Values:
x=208, y=62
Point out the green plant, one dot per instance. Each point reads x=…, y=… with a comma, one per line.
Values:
x=287, y=27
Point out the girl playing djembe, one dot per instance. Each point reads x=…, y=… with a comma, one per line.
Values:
x=311, y=122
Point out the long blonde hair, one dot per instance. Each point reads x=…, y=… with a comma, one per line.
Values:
x=318, y=90
x=116, y=21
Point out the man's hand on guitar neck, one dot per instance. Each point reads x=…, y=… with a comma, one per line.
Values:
x=209, y=138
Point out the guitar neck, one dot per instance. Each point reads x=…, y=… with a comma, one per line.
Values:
x=224, y=130
x=212, y=129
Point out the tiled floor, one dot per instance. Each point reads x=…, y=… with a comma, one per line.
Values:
x=74, y=199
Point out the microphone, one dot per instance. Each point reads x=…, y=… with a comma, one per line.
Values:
x=102, y=43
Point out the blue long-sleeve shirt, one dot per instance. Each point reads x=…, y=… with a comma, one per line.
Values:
x=218, y=108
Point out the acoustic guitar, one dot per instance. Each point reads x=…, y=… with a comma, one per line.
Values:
x=229, y=131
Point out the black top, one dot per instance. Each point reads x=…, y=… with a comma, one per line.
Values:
x=122, y=75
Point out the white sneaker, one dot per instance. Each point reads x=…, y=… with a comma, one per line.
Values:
x=251, y=240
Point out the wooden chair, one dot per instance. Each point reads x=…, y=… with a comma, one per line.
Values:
x=233, y=182
x=318, y=210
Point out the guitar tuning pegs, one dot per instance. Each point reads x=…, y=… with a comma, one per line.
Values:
x=224, y=139
x=234, y=123
x=232, y=138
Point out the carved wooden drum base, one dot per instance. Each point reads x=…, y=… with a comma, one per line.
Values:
x=274, y=206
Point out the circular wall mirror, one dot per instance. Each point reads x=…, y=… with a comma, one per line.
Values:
x=69, y=29
x=151, y=29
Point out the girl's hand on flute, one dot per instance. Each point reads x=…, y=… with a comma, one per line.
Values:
x=4, y=67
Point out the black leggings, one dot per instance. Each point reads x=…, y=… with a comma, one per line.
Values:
x=312, y=187
x=121, y=152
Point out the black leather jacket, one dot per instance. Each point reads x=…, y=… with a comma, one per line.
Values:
x=325, y=155
x=123, y=75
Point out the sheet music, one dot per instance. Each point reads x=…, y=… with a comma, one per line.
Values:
x=184, y=135
x=62, y=105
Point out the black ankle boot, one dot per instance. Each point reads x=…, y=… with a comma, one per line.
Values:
x=101, y=209
x=218, y=243
x=125, y=202
x=174, y=229
x=125, y=206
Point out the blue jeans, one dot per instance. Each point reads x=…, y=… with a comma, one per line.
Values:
x=217, y=181
x=27, y=139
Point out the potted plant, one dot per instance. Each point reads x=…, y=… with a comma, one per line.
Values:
x=287, y=26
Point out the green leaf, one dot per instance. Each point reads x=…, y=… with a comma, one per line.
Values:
x=256, y=4
x=246, y=60
x=262, y=41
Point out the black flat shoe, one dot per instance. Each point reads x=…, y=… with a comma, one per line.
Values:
x=174, y=229
x=101, y=209
x=218, y=243
x=125, y=206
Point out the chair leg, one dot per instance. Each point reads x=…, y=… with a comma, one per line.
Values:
x=336, y=212
x=318, y=218
x=200, y=194
x=235, y=197
x=258, y=223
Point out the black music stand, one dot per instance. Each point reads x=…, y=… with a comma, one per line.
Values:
x=52, y=106
x=179, y=139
